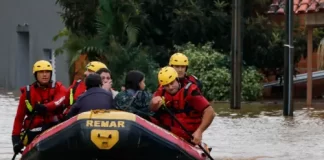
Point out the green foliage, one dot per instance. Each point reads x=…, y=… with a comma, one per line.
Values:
x=79, y=15
x=211, y=67
x=263, y=44
x=252, y=85
x=318, y=34
x=135, y=59
x=155, y=23
x=179, y=22
x=216, y=82
x=111, y=25
x=141, y=35
x=114, y=42
x=72, y=46
x=119, y=23
x=203, y=54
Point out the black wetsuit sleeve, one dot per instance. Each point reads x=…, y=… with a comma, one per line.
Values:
x=74, y=110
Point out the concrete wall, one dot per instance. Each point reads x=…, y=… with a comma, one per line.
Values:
x=26, y=29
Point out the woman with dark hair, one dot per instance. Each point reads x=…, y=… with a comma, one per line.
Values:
x=134, y=99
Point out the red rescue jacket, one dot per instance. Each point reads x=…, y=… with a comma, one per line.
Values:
x=52, y=97
x=77, y=88
x=178, y=105
x=191, y=79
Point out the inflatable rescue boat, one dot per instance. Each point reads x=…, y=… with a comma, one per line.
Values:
x=109, y=135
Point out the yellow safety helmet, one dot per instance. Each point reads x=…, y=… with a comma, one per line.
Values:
x=167, y=75
x=42, y=65
x=179, y=59
x=95, y=66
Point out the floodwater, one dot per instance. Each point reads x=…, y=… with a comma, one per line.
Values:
x=261, y=132
x=8, y=106
x=256, y=132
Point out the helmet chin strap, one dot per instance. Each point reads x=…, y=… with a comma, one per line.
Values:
x=178, y=80
x=181, y=78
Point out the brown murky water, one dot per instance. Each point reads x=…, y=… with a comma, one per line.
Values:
x=256, y=132
x=261, y=132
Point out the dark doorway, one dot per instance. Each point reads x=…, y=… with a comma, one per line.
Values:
x=23, y=68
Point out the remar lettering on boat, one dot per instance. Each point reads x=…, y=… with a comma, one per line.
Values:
x=97, y=123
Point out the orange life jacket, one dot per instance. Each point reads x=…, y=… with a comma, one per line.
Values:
x=178, y=105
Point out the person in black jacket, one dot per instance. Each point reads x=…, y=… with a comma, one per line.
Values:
x=94, y=98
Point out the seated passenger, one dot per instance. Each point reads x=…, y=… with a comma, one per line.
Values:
x=94, y=98
x=78, y=87
x=105, y=75
x=134, y=99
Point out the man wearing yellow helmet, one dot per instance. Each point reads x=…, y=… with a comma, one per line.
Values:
x=41, y=104
x=78, y=86
x=180, y=63
x=187, y=104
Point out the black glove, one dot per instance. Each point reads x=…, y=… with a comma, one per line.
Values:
x=40, y=108
x=17, y=144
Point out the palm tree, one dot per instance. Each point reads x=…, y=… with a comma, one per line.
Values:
x=119, y=24
x=72, y=46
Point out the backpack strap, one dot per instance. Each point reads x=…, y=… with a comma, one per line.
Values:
x=185, y=93
x=196, y=81
x=187, y=109
x=53, y=84
x=28, y=99
x=72, y=91
x=53, y=89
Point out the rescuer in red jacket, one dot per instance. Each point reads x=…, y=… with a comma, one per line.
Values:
x=41, y=104
x=180, y=63
x=78, y=86
x=186, y=103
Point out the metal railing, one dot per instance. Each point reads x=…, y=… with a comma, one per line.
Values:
x=300, y=78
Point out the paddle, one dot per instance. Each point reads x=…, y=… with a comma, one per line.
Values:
x=189, y=134
x=25, y=134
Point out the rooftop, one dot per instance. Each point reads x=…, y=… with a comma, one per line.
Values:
x=300, y=6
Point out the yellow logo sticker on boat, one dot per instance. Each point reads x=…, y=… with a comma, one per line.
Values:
x=104, y=139
x=98, y=123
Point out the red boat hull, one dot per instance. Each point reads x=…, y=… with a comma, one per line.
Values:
x=109, y=135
